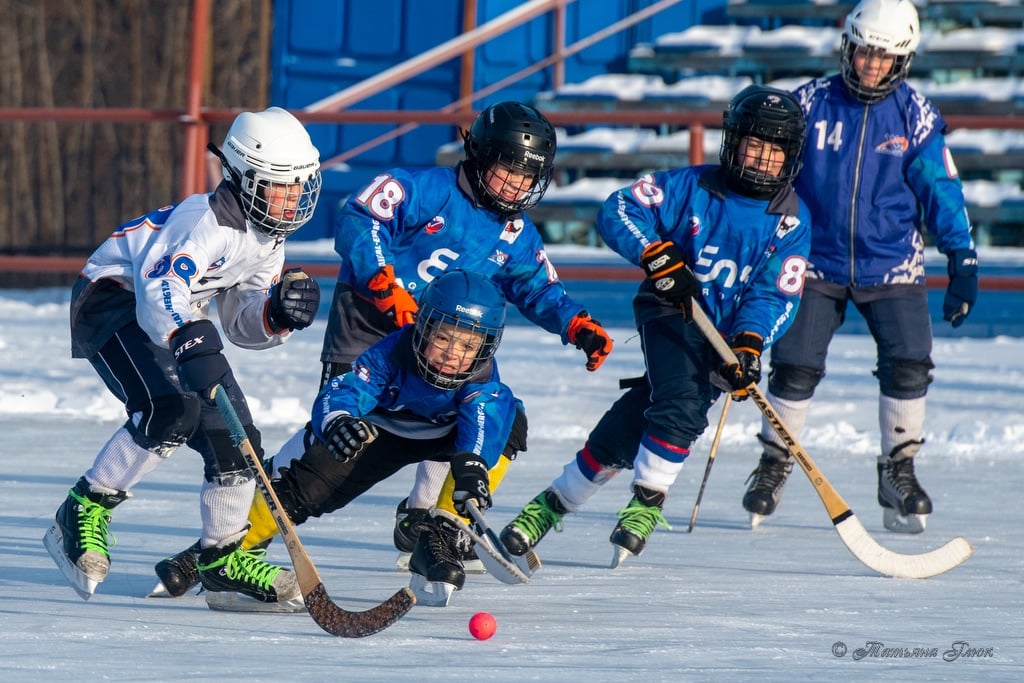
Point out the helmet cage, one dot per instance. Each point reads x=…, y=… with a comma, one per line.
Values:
x=272, y=167
x=774, y=117
x=882, y=28
x=465, y=302
x=509, y=138
x=865, y=93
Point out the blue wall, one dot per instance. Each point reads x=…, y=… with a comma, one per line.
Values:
x=323, y=46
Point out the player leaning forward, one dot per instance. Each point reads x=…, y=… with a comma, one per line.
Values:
x=139, y=313
x=733, y=236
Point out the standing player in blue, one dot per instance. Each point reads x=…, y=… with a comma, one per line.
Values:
x=429, y=391
x=735, y=237
x=140, y=315
x=407, y=227
x=876, y=167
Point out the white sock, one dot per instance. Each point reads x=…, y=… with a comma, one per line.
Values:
x=653, y=471
x=430, y=478
x=792, y=413
x=574, y=489
x=901, y=422
x=121, y=463
x=224, y=511
x=292, y=449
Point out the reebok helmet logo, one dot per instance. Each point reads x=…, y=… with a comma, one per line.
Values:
x=536, y=157
x=474, y=311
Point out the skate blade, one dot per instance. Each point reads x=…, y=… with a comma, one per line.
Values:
x=83, y=584
x=431, y=593
x=160, y=591
x=402, y=563
x=909, y=524
x=619, y=556
x=756, y=519
x=223, y=601
x=474, y=567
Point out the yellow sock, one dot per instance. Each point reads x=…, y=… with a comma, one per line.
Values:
x=262, y=526
x=444, y=500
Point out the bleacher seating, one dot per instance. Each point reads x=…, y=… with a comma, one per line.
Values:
x=971, y=61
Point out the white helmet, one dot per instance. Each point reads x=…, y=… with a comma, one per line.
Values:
x=264, y=151
x=889, y=26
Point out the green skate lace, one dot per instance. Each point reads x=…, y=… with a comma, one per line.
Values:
x=640, y=519
x=93, y=525
x=249, y=566
x=536, y=518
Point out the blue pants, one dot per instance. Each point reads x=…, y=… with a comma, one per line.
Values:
x=897, y=316
x=673, y=404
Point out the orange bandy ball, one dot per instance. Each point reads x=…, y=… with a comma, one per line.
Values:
x=482, y=625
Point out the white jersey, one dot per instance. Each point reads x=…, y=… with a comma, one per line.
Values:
x=178, y=258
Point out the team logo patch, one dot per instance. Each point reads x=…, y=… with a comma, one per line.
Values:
x=434, y=225
x=512, y=231
x=786, y=224
x=894, y=145
x=499, y=257
x=693, y=224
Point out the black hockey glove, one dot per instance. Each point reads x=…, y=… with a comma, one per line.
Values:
x=293, y=301
x=962, y=291
x=197, y=348
x=469, y=471
x=346, y=437
x=517, y=437
x=673, y=281
x=738, y=376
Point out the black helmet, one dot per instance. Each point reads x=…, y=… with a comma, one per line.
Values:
x=773, y=116
x=517, y=137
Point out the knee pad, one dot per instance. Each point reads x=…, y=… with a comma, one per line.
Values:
x=166, y=423
x=903, y=378
x=793, y=382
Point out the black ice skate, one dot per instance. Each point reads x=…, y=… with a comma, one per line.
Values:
x=636, y=523
x=241, y=580
x=534, y=521
x=905, y=505
x=77, y=541
x=766, y=484
x=436, y=568
x=178, y=573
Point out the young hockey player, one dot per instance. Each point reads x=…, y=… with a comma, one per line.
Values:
x=876, y=167
x=428, y=391
x=735, y=237
x=139, y=313
x=405, y=228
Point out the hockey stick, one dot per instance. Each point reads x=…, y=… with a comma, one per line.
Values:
x=857, y=539
x=327, y=615
x=528, y=563
x=711, y=461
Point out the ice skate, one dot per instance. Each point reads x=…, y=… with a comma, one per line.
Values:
x=905, y=505
x=436, y=569
x=636, y=523
x=77, y=541
x=178, y=573
x=228, y=568
x=536, y=519
x=766, y=484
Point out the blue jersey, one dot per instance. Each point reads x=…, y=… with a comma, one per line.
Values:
x=749, y=254
x=872, y=174
x=385, y=388
x=422, y=223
